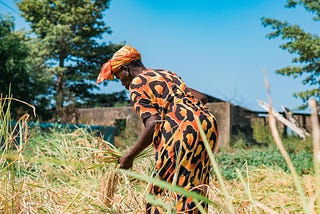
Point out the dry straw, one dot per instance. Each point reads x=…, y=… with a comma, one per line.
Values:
x=58, y=173
x=110, y=180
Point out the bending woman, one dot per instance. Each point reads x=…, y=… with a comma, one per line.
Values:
x=168, y=109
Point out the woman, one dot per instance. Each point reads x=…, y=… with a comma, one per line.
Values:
x=168, y=110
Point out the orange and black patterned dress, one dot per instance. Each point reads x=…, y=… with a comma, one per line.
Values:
x=181, y=157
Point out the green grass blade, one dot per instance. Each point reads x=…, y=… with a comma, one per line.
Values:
x=228, y=198
x=168, y=186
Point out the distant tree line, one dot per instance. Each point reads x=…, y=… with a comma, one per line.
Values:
x=305, y=46
x=57, y=62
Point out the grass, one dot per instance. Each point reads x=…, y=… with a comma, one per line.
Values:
x=266, y=158
x=75, y=172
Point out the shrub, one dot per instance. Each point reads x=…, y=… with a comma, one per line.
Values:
x=261, y=132
x=271, y=158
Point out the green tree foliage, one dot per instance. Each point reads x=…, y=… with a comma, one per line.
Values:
x=305, y=46
x=21, y=74
x=69, y=32
x=115, y=99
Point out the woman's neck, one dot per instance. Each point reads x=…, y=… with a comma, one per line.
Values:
x=135, y=71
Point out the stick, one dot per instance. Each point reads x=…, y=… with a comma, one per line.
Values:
x=267, y=107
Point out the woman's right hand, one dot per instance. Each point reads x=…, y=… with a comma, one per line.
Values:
x=126, y=162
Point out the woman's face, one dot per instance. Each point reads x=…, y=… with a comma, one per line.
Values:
x=124, y=76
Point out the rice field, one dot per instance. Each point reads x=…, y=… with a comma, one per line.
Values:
x=63, y=171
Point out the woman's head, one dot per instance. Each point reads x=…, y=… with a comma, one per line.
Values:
x=122, y=57
x=124, y=76
x=127, y=72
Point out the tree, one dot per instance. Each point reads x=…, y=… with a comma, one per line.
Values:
x=306, y=47
x=115, y=99
x=20, y=74
x=70, y=31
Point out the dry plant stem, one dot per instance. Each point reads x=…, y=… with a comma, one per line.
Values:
x=296, y=180
x=316, y=148
x=264, y=208
x=247, y=190
x=72, y=201
x=279, y=144
x=31, y=106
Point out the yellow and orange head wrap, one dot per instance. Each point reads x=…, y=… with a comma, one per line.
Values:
x=123, y=56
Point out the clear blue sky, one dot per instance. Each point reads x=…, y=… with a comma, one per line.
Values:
x=218, y=47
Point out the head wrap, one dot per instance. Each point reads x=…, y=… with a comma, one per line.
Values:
x=123, y=56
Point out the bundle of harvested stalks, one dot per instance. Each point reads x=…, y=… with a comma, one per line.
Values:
x=110, y=180
x=110, y=154
x=107, y=187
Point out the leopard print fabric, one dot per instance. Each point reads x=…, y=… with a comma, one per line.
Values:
x=181, y=157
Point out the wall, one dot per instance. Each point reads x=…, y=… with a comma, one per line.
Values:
x=107, y=116
x=231, y=119
x=222, y=114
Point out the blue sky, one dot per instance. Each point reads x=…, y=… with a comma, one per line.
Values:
x=218, y=47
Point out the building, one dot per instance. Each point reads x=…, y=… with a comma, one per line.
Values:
x=231, y=119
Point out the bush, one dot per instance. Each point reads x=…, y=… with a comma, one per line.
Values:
x=271, y=158
x=261, y=132
x=294, y=144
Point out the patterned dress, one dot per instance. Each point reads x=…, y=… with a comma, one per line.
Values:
x=181, y=157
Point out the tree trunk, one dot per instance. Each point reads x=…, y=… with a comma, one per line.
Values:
x=59, y=88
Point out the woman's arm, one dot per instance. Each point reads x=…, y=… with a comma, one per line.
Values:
x=199, y=95
x=145, y=139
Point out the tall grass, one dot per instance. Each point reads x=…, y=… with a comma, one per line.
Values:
x=12, y=142
x=75, y=172
x=309, y=206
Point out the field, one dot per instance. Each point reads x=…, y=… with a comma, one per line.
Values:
x=63, y=171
